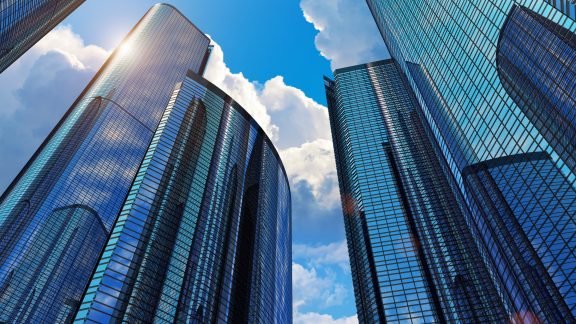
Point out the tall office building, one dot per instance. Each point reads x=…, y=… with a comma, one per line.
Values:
x=157, y=197
x=204, y=235
x=85, y=168
x=536, y=61
x=23, y=23
x=511, y=181
x=412, y=258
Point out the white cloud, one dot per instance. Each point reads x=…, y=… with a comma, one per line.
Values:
x=347, y=34
x=297, y=125
x=314, y=163
x=63, y=40
x=31, y=93
x=299, y=118
x=288, y=116
x=330, y=254
x=309, y=287
x=316, y=318
x=237, y=86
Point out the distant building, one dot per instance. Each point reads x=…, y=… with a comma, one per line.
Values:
x=23, y=23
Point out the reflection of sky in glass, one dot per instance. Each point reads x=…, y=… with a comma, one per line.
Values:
x=183, y=227
x=448, y=51
x=24, y=23
x=373, y=206
x=92, y=157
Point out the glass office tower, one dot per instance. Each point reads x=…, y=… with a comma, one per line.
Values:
x=536, y=60
x=204, y=235
x=23, y=23
x=56, y=215
x=412, y=258
x=512, y=179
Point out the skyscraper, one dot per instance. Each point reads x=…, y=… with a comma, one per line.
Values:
x=412, y=258
x=157, y=197
x=86, y=166
x=536, y=64
x=515, y=193
x=23, y=23
x=205, y=234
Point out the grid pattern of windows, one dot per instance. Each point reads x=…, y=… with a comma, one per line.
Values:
x=417, y=254
x=448, y=51
x=92, y=156
x=537, y=66
x=24, y=22
x=462, y=283
x=531, y=208
x=389, y=273
x=568, y=7
x=205, y=234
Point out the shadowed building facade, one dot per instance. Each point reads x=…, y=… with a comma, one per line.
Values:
x=205, y=233
x=23, y=23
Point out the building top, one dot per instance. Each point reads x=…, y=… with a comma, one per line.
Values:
x=363, y=66
x=213, y=88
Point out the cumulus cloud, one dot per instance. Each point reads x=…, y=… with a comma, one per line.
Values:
x=299, y=118
x=32, y=97
x=297, y=125
x=237, y=86
x=316, y=318
x=64, y=41
x=335, y=253
x=309, y=287
x=313, y=163
x=347, y=34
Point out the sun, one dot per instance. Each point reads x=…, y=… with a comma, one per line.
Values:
x=124, y=48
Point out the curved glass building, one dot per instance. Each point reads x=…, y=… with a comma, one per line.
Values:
x=493, y=88
x=23, y=23
x=91, y=159
x=156, y=198
x=205, y=234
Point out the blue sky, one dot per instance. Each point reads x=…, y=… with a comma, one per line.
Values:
x=270, y=56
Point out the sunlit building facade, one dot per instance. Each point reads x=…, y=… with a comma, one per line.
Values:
x=156, y=198
x=205, y=234
x=501, y=134
x=23, y=23
x=85, y=168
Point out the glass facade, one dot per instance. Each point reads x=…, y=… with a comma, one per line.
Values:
x=85, y=169
x=568, y=7
x=412, y=257
x=386, y=264
x=512, y=179
x=536, y=60
x=205, y=233
x=24, y=22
